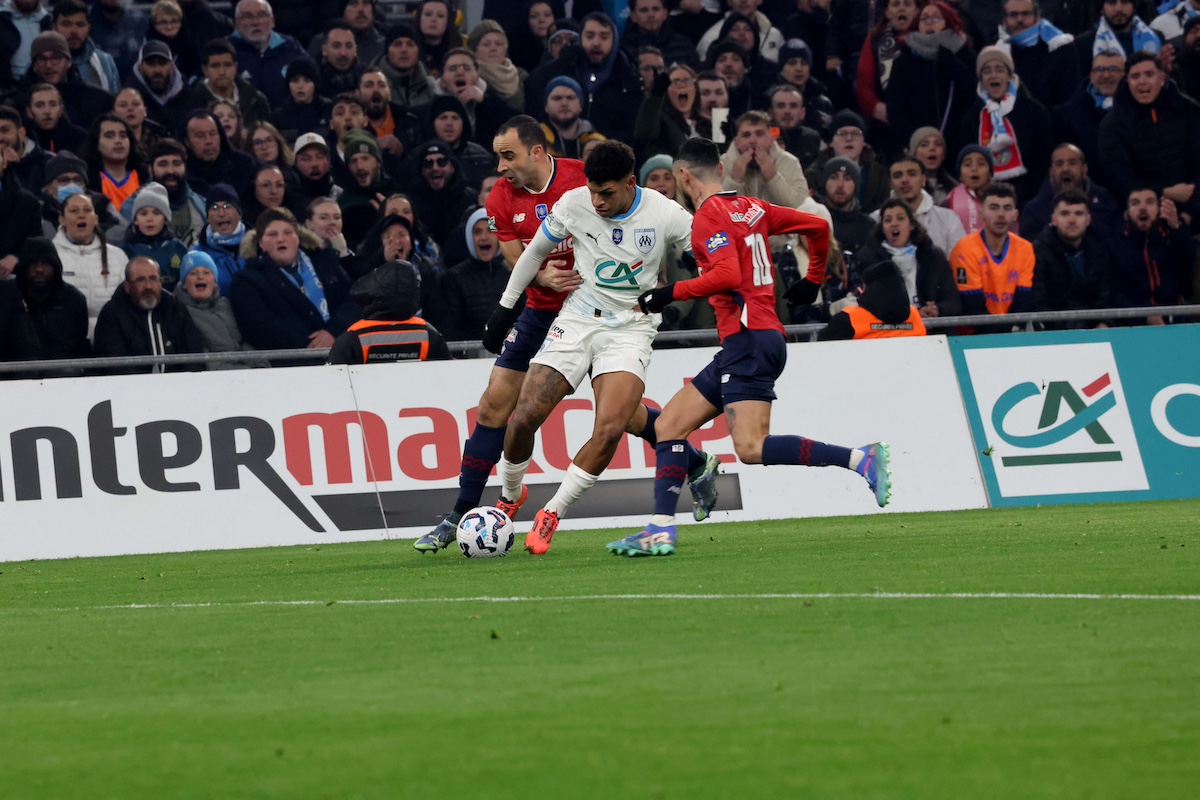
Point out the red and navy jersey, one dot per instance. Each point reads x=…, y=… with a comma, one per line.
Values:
x=737, y=275
x=518, y=213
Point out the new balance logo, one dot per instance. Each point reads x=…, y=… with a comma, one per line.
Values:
x=518, y=218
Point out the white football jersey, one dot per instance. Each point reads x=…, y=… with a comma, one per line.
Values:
x=618, y=257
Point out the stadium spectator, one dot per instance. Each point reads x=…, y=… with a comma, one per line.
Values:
x=339, y=62
x=66, y=173
x=730, y=60
x=839, y=193
x=270, y=190
x=211, y=160
x=21, y=212
x=879, y=53
x=903, y=240
x=849, y=23
x=1069, y=172
x=787, y=114
x=423, y=252
x=89, y=263
x=149, y=235
x=142, y=320
x=650, y=26
x=114, y=163
x=219, y=65
x=883, y=310
x=975, y=166
x=454, y=249
x=656, y=174
x=198, y=291
x=471, y=288
x=1078, y=119
x=23, y=157
x=18, y=338
x=756, y=166
x=566, y=132
x=770, y=39
x=131, y=108
x=167, y=26
x=157, y=79
x=58, y=310
x=489, y=43
x=1074, y=264
x=221, y=239
x=664, y=119
x=1152, y=136
x=712, y=95
x=994, y=268
x=441, y=194
x=21, y=21
x=486, y=110
x=1187, y=65
x=391, y=329
x=449, y=123
x=268, y=146
x=304, y=111
x=849, y=141
x=529, y=38
x=204, y=23
x=649, y=65
x=796, y=68
x=395, y=128
x=368, y=182
x=96, y=67
x=437, y=26
x=932, y=76
x=168, y=167
x=230, y=119
x=1119, y=28
x=347, y=115
x=52, y=65
x=611, y=85
x=312, y=173
x=323, y=216
x=759, y=72
x=361, y=16
x=1153, y=256
x=906, y=176
x=262, y=53
x=119, y=31
x=1172, y=22
x=401, y=64
x=50, y=124
x=1007, y=120
x=1041, y=54
x=928, y=146
x=292, y=293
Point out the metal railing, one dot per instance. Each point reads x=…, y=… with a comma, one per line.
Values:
x=474, y=349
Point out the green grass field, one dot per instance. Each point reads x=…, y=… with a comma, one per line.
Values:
x=571, y=690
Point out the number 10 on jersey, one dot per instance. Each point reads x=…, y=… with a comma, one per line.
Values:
x=761, y=258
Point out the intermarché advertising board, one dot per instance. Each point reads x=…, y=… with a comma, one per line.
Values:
x=1084, y=416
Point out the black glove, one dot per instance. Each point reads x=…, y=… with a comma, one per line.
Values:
x=661, y=81
x=801, y=293
x=653, y=301
x=497, y=328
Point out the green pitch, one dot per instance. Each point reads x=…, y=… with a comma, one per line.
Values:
x=583, y=693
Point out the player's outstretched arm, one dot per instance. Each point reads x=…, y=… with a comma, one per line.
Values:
x=523, y=272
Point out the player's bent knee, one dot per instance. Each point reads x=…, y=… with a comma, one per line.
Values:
x=748, y=451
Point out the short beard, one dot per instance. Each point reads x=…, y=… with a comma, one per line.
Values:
x=147, y=303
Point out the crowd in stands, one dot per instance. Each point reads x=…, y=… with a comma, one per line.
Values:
x=184, y=180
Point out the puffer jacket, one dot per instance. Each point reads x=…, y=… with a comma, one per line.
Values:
x=84, y=268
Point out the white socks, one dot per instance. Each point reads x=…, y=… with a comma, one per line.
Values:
x=570, y=490
x=511, y=477
x=856, y=457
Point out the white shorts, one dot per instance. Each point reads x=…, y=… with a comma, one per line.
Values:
x=577, y=346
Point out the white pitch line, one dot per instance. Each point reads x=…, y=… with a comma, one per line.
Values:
x=1186, y=598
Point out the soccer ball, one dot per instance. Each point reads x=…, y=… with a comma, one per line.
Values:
x=485, y=532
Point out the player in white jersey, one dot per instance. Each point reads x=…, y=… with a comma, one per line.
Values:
x=621, y=234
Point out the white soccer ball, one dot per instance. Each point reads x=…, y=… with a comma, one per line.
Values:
x=485, y=532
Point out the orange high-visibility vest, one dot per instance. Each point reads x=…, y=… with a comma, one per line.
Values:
x=868, y=326
x=383, y=340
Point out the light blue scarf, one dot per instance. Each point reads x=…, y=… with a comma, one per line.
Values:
x=1042, y=32
x=304, y=276
x=1144, y=39
x=232, y=241
x=1101, y=100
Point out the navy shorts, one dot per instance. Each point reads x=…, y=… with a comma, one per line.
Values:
x=525, y=339
x=746, y=368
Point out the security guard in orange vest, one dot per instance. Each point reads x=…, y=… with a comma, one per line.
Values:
x=391, y=329
x=884, y=309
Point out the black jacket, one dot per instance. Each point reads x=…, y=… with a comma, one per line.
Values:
x=607, y=104
x=676, y=48
x=273, y=313
x=63, y=136
x=10, y=40
x=388, y=296
x=125, y=329
x=470, y=291
x=440, y=210
x=21, y=214
x=292, y=120
x=947, y=88
x=935, y=280
x=18, y=339
x=232, y=167
x=31, y=169
x=1050, y=75
x=852, y=229
x=1158, y=144
x=1152, y=268
x=60, y=315
x=1078, y=121
x=1106, y=212
x=1057, y=286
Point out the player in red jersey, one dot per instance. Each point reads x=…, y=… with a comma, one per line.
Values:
x=516, y=208
x=729, y=241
